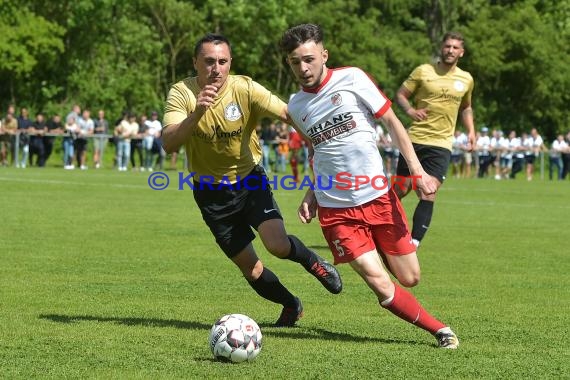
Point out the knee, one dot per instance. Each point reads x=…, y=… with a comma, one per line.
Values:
x=409, y=279
x=252, y=273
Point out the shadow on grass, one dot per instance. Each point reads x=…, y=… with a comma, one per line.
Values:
x=149, y=322
x=268, y=330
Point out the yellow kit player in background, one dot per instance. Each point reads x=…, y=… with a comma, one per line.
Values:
x=440, y=92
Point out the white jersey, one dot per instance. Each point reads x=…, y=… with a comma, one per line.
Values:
x=339, y=118
x=154, y=127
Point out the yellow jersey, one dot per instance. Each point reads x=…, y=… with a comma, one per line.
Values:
x=442, y=95
x=224, y=144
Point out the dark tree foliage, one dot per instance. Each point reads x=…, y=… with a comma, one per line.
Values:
x=118, y=55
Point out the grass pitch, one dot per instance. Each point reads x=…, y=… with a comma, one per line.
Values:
x=102, y=277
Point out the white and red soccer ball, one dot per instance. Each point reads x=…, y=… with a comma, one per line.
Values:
x=235, y=338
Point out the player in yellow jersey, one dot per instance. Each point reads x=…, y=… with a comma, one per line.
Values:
x=439, y=92
x=214, y=115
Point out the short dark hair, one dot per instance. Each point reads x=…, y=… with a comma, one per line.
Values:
x=453, y=36
x=216, y=39
x=300, y=34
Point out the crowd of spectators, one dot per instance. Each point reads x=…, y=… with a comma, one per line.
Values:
x=496, y=155
x=26, y=141
x=84, y=139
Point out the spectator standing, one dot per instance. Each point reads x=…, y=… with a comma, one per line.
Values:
x=484, y=152
x=86, y=127
x=137, y=144
x=37, y=148
x=71, y=129
x=566, y=157
x=154, y=129
x=24, y=124
x=75, y=113
x=559, y=146
x=457, y=153
x=517, y=149
x=496, y=151
x=536, y=147
x=101, y=128
x=54, y=127
x=124, y=132
x=8, y=138
x=505, y=157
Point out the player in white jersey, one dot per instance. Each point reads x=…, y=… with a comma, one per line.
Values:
x=360, y=214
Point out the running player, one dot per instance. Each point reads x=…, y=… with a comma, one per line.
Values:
x=440, y=91
x=214, y=115
x=337, y=110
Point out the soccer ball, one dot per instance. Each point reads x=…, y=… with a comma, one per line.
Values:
x=235, y=338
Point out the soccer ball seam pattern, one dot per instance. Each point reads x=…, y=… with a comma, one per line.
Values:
x=235, y=338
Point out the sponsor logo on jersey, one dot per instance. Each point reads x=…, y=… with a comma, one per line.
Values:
x=335, y=126
x=216, y=132
x=445, y=96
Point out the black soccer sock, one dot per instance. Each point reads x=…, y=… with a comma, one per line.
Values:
x=301, y=254
x=422, y=219
x=269, y=287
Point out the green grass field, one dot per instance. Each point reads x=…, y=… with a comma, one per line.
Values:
x=102, y=277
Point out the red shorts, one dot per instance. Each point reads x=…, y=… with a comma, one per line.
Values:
x=377, y=225
x=295, y=141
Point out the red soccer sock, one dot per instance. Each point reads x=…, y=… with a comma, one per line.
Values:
x=407, y=307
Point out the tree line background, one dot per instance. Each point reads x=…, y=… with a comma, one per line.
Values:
x=124, y=55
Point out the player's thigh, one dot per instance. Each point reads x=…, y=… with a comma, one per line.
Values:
x=369, y=267
x=392, y=237
x=345, y=232
x=222, y=210
x=263, y=214
x=274, y=237
x=406, y=268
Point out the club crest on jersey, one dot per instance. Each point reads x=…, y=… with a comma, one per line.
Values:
x=459, y=86
x=336, y=99
x=232, y=112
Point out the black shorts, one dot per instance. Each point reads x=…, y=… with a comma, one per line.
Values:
x=457, y=158
x=80, y=144
x=434, y=160
x=232, y=211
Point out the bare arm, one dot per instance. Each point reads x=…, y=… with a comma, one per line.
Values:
x=400, y=137
x=175, y=135
x=402, y=97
